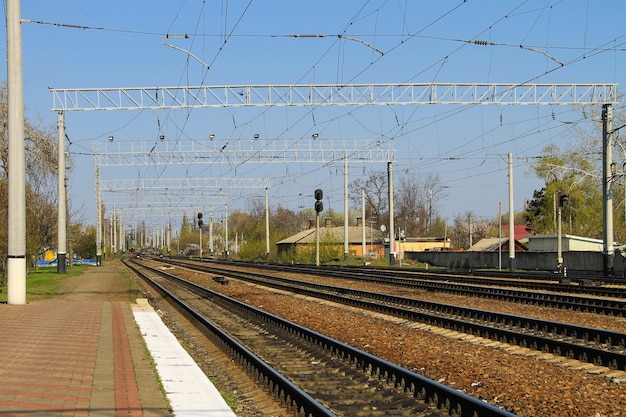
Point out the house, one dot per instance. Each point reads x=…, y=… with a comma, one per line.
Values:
x=418, y=244
x=305, y=240
x=494, y=244
x=519, y=231
x=569, y=243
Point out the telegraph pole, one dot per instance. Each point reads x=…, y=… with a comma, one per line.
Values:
x=16, y=256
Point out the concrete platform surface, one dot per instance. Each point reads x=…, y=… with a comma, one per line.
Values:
x=83, y=354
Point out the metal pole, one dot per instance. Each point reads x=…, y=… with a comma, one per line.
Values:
x=114, y=232
x=226, y=230
x=607, y=192
x=469, y=226
x=511, y=217
x=559, y=244
x=16, y=255
x=317, y=239
x=345, y=208
x=500, y=236
x=399, y=247
x=392, y=239
x=211, y=230
x=267, y=225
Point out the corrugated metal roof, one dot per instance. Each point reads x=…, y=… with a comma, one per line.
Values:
x=355, y=235
x=488, y=244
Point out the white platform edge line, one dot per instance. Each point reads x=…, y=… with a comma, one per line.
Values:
x=189, y=390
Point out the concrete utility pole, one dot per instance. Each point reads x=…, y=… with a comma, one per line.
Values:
x=364, y=244
x=62, y=204
x=211, y=230
x=346, y=216
x=267, y=225
x=226, y=231
x=607, y=190
x=392, y=239
x=98, y=219
x=16, y=256
x=511, y=217
x=317, y=239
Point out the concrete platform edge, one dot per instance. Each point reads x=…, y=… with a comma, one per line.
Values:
x=188, y=389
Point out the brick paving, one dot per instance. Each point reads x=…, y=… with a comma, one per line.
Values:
x=76, y=356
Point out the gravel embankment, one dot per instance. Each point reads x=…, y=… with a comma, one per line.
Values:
x=518, y=381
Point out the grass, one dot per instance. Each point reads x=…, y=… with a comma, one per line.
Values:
x=44, y=282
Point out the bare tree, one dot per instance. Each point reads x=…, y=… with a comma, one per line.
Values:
x=40, y=148
x=410, y=210
x=376, y=201
x=41, y=161
x=417, y=204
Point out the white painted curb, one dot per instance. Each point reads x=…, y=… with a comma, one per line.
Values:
x=190, y=392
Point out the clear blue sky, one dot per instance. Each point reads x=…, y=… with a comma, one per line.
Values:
x=121, y=44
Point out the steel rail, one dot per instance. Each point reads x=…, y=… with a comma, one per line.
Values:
x=445, y=398
x=612, y=307
x=289, y=394
x=397, y=306
x=490, y=278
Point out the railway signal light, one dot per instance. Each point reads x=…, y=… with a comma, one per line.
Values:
x=200, y=222
x=319, y=206
x=563, y=199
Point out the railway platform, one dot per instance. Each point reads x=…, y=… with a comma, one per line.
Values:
x=97, y=350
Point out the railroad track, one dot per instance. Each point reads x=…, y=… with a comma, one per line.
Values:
x=598, y=300
x=307, y=371
x=603, y=348
x=412, y=277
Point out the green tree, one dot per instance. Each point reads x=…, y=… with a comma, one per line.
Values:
x=83, y=240
x=575, y=173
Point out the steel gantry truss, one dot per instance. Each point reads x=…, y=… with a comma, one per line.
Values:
x=162, y=152
x=81, y=99
x=313, y=95
x=175, y=184
x=167, y=195
x=146, y=153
